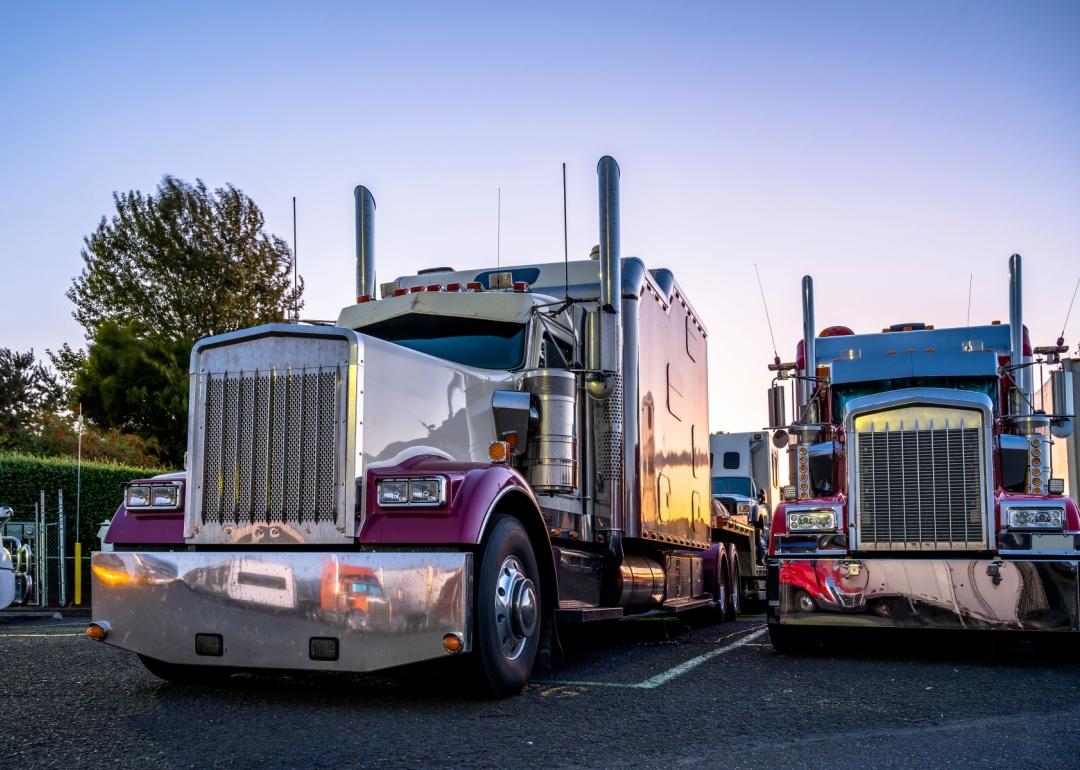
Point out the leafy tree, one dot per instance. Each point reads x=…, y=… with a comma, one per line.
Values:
x=57, y=436
x=184, y=263
x=27, y=389
x=135, y=382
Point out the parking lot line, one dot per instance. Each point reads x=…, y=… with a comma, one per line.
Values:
x=672, y=673
x=34, y=636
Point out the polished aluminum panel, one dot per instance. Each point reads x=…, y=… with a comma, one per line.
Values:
x=930, y=593
x=385, y=609
x=271, y=442
x=920, y=471
x=670, y=453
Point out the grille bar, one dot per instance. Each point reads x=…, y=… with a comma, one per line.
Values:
x=921, y=486
x=269, y=447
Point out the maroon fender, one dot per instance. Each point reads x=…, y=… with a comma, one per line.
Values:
x=474, y=490
x=146, y=527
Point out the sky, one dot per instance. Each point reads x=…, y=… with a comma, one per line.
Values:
x=891, y=150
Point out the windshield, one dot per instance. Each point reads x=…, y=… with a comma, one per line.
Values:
x=357, y=587
x=469, y=341
x=842, y=394
x=731, y=485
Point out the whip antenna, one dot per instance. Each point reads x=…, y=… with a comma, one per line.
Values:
x=1061, y=337
x=776, y=356
x=498, y=231
x=971, y=281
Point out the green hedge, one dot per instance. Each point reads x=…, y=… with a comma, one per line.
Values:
x=22, y=477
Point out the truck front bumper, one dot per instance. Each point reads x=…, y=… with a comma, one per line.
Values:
x=250, y=609
x=1006, y=594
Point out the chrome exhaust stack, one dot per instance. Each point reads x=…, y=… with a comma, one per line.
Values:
x=807, y=415
x=608, y=409
x=1020, y=402
x=365, y=242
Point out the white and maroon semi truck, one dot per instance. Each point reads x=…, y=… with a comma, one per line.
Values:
x=502, y=450
x=922, y=491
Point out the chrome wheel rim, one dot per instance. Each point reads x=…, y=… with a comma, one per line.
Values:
x=516, y=607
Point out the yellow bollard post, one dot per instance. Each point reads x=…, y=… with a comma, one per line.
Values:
x=78, y=574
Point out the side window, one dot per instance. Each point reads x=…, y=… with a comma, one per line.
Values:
x=731, y=461
x=553, y=354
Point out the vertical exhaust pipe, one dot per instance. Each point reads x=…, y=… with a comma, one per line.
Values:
x=809, y=372
x=610, y=265
x=1020, y=405
x=610, y=410
x=365, y=242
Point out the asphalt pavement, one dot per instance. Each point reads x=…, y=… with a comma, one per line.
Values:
x=651, y=692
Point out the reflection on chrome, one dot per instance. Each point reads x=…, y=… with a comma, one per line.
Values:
x=958, y=593
x=386, y=608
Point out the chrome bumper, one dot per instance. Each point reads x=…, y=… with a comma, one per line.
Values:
x=1020, y=595
x=267, y=607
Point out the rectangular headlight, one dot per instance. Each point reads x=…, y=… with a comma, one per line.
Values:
x=393, y=492
x=1036, y=518
x=419, y=492
x=425, y=491
x=817, y=520
x=744, y=509
x=137, y=496
x=165, y=495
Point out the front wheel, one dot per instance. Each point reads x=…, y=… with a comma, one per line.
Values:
x=508, y=609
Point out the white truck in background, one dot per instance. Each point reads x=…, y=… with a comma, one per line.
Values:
x=744, y=473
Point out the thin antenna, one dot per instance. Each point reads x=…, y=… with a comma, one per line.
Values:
x=971, y=281
x=565, y=240
x=296, y=298
x=498, y=232
x=1061, y=337
x=776, y=356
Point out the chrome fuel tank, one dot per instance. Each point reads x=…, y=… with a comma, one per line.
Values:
x=551, y=458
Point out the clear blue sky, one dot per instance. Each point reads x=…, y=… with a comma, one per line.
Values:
x=889, y=149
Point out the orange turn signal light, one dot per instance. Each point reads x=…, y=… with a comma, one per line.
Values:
x=453, y=643
x=499, y=451
x=97, y=631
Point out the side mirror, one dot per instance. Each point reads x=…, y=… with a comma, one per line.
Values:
x=1061, y=389
x=6, y=512
x=777, y=407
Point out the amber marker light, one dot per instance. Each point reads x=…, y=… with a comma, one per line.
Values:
x=499, y=451
x=452, y=643
x=97, y=631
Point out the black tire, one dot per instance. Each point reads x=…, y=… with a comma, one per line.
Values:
x=723, y=590
x=507, y=641
x=734, y=602
x=787, y=640
x=179, y=673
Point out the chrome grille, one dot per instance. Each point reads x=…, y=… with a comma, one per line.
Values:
x=921, y=486
x=269, y=447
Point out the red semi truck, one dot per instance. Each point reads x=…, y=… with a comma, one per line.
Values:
x=922, y=492
x=506, y=448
